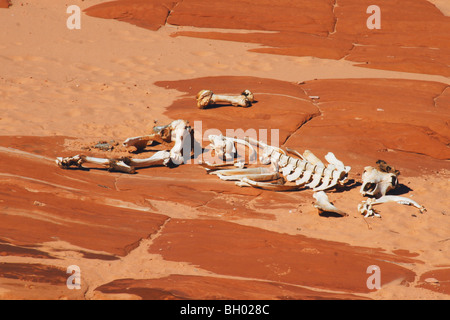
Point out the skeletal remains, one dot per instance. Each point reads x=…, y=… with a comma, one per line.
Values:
x=283, y=173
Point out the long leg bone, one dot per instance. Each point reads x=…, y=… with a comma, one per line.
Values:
x=177, y=131
x=366, y=206
x=110, y=164
x=257, y=174
x=245, y=182
x=207, y=97
x=323, y=204
x=211, y=167
x=125, y=164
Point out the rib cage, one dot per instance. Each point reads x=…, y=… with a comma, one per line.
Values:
x=310, y=172
x=289, y=173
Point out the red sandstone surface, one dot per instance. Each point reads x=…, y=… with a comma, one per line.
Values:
x=5, y=3
x=178, y=233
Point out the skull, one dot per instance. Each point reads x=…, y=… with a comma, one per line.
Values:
x=377, y=183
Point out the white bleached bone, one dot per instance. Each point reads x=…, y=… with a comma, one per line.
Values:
x=307, y=174
x=327, y=178
x=207, y=97
x=290, y=167
x=225, y=147
x=377, y=183
x=310, y=157
x=316, y=178
x=278, y=186
x=306, y=171
x=366, y=206
x=177, y=131
x=324, y=205
x=257, y=174
x=298, y=171
x=124, y=164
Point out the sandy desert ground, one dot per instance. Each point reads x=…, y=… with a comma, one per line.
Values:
x=320, y=77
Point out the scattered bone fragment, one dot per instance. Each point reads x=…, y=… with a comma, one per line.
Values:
x=207, y=97
x=324, y=205
x=366, y=209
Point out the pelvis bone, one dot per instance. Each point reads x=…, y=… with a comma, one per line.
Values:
x=207, y=97
x=178, y=133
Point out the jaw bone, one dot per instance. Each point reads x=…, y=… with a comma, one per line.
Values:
x=324, y=205
x=366, y=206
x=177, y=131
x=207, y=97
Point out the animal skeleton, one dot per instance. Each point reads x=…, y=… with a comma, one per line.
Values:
x=207, y=97
x=285, y=173
x=177, y=131
x=308, y=171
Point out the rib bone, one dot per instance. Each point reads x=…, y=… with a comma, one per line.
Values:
x=297, y=171
x=207, y=97
x=307, y=170
x=317, y=177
